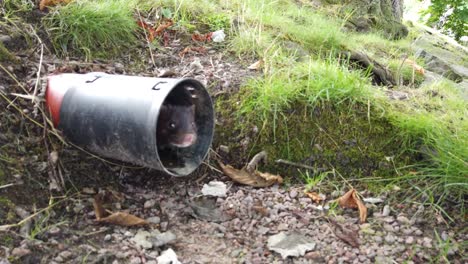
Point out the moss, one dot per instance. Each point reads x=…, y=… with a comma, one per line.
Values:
x=326, y=136
x=5, y=55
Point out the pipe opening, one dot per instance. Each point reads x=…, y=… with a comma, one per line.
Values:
x=184, y=128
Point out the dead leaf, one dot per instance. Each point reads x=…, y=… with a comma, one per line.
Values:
x=351, y=200
x=123, y=219
x=99, y=210
x=344, y=233
x=202, y=37
x=49, y=3
x=118, y=218
x=317, y=198
x=256, y=65
x=150, y=30
x=192, y=49
x=415, y=66
x=165, y=24
x=255, y=179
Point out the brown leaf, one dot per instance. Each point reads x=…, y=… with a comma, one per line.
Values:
x=415, y=66
x=150, y=30
x=99, y=210
x=352, y=200
x=123, y=219
x=317, y=198
x=167, y=23
x=256, y=179
x=202, y=37
x=256, y=65
x=48, y=3
x=346, y=234
x=192, y=49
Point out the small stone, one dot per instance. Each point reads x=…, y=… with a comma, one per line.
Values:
x=409, y=240
x=78, y=208
x=54, y=230
x=389, y=239
x=164, y=226
x=135, y=260
x=108, y=237
x=293, y=194
x=141, y=240
x=215, y=188
x=427, y=242
x=386, y=211
x=388, y=228
x=403, y=220
x=282, y=227
x=59, y=259
x=65, y=254
x=418, y=232
x=20, y=252
x=149, y=204
x=313, y=255
x=168, y=257
x=224, y=149
x=128, y=234
x=87, y=190
x=378, y=239
x=154, y=220
x=162, y=239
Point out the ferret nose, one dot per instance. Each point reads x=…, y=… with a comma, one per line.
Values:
x=190, y=138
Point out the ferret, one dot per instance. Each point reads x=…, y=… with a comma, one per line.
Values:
x=176, y=126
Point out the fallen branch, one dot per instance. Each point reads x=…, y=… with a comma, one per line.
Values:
x=261, y=156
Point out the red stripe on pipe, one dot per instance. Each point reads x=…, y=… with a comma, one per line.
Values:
x=56, y=89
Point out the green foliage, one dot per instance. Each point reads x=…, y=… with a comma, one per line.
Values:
x=100, y=28
x=456, y=23
x=11, y=7
x=217, y=21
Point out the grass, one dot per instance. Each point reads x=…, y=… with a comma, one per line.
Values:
x=301, y=77
x=100, y=28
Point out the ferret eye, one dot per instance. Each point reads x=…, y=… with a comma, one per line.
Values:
x=172, y=125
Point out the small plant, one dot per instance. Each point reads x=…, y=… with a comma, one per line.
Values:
x=217, y=21
x=100, y=28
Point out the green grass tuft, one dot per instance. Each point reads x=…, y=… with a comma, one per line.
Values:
x=102, y=28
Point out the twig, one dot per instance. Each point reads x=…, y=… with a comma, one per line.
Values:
x=7, y=185
x=261, y=156
x=290, y=163
x=38, y=69
x=147, y=40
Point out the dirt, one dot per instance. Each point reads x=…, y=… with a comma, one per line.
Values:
x=237, y=227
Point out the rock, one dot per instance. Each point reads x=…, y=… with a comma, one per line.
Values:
x=389, y=239
x=378, y=239
x=403, y=220
x=427, y=242
x=162, y=239
x=409, y=240
x=386, y=211
x=313, y=255
x=65, y=254
x=154, y=220
x=149, y=204
x=20, y=252
x=224, y=149
x=215, y=188
x=128, y=234
x=168, y=257
x=293, y=245
x=4, y=261
x=108, y=237
x=388, y=228
x=372, y=200
x=293, y=194
x=140, y=239
x=54, y=230
x=78, y=207
x=135, y=260
x=5, y=39
x=87, y=190
x=418, y=232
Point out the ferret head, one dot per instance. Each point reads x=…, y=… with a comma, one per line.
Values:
x=176, y=126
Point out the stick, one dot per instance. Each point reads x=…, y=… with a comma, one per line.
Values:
x=295, y=164
x=255, y=160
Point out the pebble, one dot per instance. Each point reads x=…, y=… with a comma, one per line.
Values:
x=427, y=242
x=403, y=220
x=418, y=232
x=154, y=220
x=389, y=239
x=293, y=194
x=78, y=208
x=128, y=234
x=388, y=228
x=108, y=237
x=386, y=211
x=20, y=252
x=313, y=255
x=65, y=254
x=149, y=204
x=54, y=230
x=135, y=260
x=378, y=239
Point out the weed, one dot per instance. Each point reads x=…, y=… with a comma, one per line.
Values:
x=92, y=28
